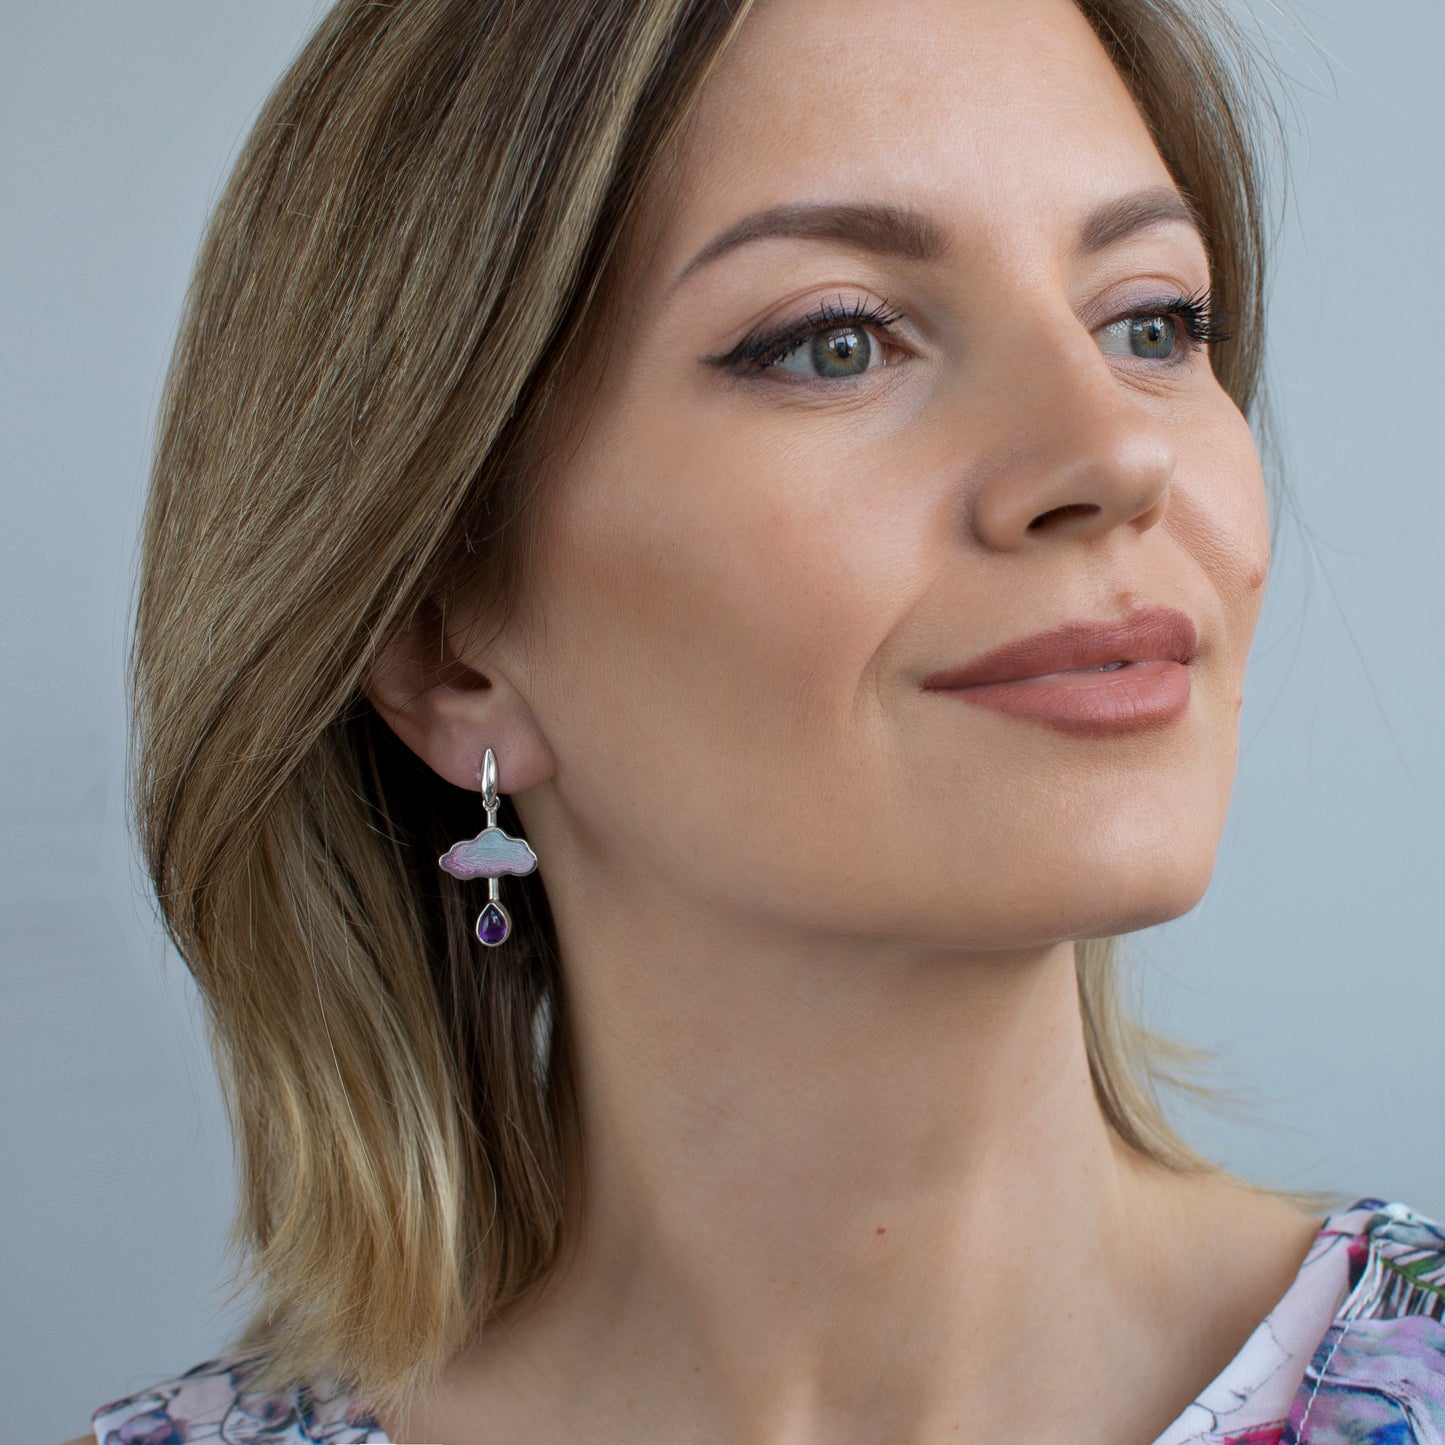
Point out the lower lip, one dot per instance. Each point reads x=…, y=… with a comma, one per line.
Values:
x=1138, y=697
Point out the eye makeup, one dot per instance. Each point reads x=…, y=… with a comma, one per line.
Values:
x=763, y=349
x=1191, y=319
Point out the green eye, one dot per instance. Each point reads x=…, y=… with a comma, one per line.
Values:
x=833, y=342
x=1150, y=338
x=838, y=351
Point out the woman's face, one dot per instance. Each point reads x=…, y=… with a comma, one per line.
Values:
x=751, y=566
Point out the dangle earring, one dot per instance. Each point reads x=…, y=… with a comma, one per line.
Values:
x=490, y=854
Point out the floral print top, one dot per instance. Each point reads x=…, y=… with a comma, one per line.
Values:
x=1353, y=1354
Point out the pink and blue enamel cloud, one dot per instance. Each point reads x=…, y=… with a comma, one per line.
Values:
x=489, y=855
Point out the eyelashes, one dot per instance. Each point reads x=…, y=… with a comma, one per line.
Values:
x=1196, y=316
x=760, y=351
x=1204, y=323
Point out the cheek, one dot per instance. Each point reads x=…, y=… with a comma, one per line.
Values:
x=721, y=594
x=1222, y=518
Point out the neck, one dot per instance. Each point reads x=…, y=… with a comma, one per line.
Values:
x=842, y=1189
x=832, y=1181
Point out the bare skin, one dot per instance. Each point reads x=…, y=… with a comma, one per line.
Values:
x=847, y=1178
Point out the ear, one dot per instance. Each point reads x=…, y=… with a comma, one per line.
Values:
x=449, y=712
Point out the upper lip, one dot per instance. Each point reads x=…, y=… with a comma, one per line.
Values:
x=1148, y=635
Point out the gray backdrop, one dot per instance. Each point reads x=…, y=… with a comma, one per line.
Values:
x=1313, y=964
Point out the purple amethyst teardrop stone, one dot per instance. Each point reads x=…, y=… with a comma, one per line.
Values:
x=493, y=925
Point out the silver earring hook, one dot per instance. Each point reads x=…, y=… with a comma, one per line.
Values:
x=488, y=779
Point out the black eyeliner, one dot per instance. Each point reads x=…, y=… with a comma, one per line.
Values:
x=1202, y=321
x=760, y=350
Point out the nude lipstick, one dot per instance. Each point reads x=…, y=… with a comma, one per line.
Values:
x=1088, y=679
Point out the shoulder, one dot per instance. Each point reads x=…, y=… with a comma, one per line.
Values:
x=212, y=1401
x=1381, y=1364
x=1396, y=1262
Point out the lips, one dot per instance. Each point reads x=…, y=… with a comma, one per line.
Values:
x=1153, y=634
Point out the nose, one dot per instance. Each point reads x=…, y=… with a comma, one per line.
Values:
x=1069, y=448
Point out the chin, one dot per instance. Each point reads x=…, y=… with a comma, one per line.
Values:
x=1136, y=866
x=1123, y=898
x=1100, y=898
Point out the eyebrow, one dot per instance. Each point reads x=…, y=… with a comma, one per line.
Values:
x=1124, y=216
x=913, y=235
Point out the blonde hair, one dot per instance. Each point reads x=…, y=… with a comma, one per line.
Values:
x=426, y=219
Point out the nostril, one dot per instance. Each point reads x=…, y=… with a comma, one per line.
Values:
x=1074, y=509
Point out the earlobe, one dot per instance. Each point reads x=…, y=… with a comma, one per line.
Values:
x=449, y=713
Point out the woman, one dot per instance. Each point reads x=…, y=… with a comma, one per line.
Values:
x=793, y=462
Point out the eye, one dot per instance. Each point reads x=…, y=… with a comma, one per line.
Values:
x=1153, y=338
x=1150, y=338
x=831, y=343
x=1169, y=331
x=831, y=352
